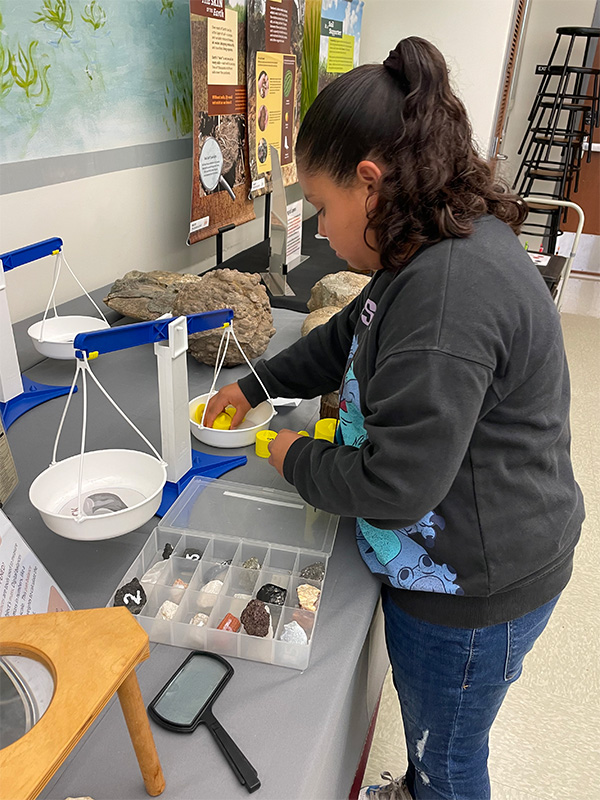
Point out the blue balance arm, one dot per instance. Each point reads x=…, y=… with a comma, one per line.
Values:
x=125, y=336
x=31, y=252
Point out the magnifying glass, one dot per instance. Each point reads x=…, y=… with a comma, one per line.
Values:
x=211, y=166
x=186, y=701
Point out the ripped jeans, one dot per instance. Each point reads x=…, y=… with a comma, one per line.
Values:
x=451, y=683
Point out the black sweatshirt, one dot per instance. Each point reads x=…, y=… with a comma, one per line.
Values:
x=453, y=445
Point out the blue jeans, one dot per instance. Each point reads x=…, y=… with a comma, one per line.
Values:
x=451, y=683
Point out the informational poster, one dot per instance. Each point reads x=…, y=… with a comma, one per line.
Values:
x=293, y=244
x=221, y=177
x=25, y=585
x=331, y=44
x=273, y=66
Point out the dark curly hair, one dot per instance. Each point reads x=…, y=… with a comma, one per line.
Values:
x=404, y=115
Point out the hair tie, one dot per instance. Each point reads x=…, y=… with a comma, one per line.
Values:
x=394, y=64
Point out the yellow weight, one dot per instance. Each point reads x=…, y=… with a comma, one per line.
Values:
x=222, y=422
x=199, y=412
x=303, y=433
x=231, y=411
x=262, y=443
x=325, y=428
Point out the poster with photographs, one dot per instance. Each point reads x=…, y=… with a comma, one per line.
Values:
x=221, y=177
x=274, y=63
x=331, y=44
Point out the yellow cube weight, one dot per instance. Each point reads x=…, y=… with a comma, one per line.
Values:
x=231, y=411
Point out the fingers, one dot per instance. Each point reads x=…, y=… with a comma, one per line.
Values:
x=240, y=413
x=215, y=405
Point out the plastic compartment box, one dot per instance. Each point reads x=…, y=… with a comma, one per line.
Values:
x=232, y=522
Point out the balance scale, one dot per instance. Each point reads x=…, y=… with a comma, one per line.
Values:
x=102, y=494
x=52, y=337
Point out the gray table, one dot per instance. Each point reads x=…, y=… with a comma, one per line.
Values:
x=303, y=732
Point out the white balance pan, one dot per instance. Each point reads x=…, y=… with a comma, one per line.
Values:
x=257, y=419
x=59, y=333
x=121, y=490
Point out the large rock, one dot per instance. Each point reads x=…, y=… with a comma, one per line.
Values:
x=147, y=295
x=318, y=317
x=337, y=289
x=228, y=288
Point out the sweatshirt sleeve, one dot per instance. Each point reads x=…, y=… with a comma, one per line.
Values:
x=311, y=366
x=420, y=412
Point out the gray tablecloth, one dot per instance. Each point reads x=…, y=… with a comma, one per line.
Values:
x=303, y=732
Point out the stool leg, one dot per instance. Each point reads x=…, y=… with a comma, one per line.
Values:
x=138, y=726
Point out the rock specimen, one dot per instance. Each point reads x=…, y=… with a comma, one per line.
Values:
x=154, y=574
x=192, y=554
x=270, y=593
x=102, y=503
x=199, y=619
x=256, y=618
x=337, y=289
x=305, y=619
x=167, y=551
x=294, y=634
x=308, y=596
x=147, y=295
x=167, y=611
x=179, y=584
x=229, y=623
x=314, y=572
x=131, y=595
x=248, y=579
x=212, y=587
x=217, y=571
x=228, y=288
x=318, y=317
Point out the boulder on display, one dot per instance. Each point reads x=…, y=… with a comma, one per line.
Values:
x=253, y=320
x=337, y=289
x=146, y=295
x=318, y=317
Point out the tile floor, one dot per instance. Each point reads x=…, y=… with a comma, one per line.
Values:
x=545, y=744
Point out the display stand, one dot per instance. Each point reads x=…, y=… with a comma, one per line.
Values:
x=276, y=278
x=170, y=339
x=17, y=393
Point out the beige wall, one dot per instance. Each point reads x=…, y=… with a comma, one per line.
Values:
x=472, y=35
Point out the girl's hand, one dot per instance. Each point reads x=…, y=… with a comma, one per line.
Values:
x=230, y=395
x=279, y=446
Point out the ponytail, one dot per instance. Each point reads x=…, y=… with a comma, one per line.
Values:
x=404, y=115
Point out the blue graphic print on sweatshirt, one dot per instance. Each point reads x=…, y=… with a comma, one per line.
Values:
x=392, y=554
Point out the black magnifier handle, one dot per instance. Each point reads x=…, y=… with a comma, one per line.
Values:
x=244, y=770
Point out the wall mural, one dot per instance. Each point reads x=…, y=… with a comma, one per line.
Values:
x=78, y=76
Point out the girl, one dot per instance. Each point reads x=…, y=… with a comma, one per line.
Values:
x=453, y=445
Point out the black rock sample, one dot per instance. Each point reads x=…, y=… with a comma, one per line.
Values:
x=256, y=618
x=217, y=571
x=167, y=551
x=314, y=572
x=131, y=595
x=192, y=554
x=270, y=593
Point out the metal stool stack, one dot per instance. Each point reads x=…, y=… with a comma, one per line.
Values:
x=564, y=114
